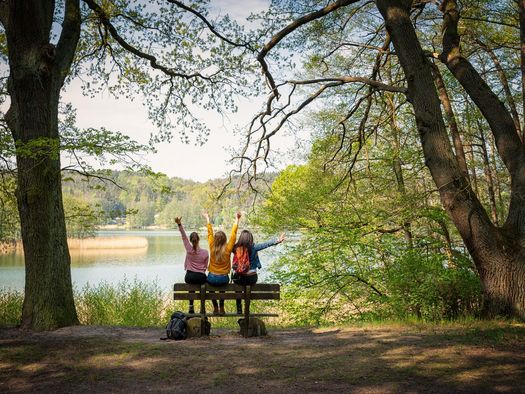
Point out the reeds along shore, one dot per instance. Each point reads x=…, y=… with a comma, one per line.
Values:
x=84, y=244
x=9, y=246
x=108, y=243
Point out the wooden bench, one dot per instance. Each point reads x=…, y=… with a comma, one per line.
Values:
x=259, y=291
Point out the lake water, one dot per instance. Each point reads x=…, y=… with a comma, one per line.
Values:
x=162, y=261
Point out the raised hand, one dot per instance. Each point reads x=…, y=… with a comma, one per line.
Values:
x=178, y=220
x=206, y=216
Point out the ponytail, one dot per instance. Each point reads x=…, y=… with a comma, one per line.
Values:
x=194, y=239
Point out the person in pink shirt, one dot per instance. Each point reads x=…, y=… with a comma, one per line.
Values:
x=196, y=261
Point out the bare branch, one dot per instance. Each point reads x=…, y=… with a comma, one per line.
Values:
x=289, y=29
x=500, y=23
x=368, y=81
x=92, y=175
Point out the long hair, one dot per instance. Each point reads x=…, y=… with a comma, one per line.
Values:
x=245, y=241
x=219, y=245
x=194, y=239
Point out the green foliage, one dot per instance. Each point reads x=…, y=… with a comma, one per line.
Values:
x=10, y=307
x=196, y=72
x=81, y=217
x=425, y=287
x=129, y=303
x=371, y=245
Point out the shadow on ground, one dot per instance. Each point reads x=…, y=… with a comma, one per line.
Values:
x=352, y=359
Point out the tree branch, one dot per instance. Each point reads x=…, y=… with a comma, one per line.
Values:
x=68, y=38
x=504, y=83
x=104, y=19
x=344, y=80
x=210, y=26
x=289, y=29
x=500, y=23
x=501, y=123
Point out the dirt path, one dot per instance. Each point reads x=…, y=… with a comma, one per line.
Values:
x=373, y=359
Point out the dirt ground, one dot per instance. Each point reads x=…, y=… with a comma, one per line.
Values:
x=364, y=359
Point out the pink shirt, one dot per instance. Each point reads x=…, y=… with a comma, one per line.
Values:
x=196, y=261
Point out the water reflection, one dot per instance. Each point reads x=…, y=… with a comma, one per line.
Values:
x=161, y=260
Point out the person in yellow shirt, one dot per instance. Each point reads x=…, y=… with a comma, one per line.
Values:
x=220, y=252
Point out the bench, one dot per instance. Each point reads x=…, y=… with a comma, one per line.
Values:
x=259, y=291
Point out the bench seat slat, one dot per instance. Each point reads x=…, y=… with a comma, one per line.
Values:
x=227, y=296
x=270, y=287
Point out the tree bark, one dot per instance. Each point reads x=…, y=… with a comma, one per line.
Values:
x=451, y=118
x=499, y=260
x=37, y=72
x=508, y=143
x=522, y=52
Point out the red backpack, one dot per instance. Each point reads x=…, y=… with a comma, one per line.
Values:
x=241, y=260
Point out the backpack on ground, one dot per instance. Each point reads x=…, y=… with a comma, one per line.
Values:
x=176, y=328
x=241, y=260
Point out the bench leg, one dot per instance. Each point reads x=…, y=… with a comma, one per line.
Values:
x=247, y=294
x=203, y=309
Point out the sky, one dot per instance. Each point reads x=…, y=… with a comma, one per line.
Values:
x=176, y=158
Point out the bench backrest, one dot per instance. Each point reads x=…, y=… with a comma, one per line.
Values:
x=259, y=291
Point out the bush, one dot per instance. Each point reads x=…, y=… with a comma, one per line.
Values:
x=429, y=287
x=331, y=285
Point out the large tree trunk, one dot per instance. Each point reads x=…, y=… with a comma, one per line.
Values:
x=37, y=71
x=499, y=259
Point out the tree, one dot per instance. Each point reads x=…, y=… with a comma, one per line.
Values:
x=396, y=30
x=374, y=244
x=163, y=50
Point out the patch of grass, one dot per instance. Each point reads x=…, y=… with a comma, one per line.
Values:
x=10, y=307
x=129, y=303
x=136, y=303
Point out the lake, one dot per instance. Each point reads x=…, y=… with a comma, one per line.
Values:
x=162, y=261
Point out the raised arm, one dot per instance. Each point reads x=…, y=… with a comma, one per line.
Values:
x=233, y=235
x=185, y=240
x=210, y=229
x=273, y=242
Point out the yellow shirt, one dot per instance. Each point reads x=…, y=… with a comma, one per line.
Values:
x=223, y=266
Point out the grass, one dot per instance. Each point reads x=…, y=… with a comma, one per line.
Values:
x=136, y=303
x=10, y=307
x=128, y=303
